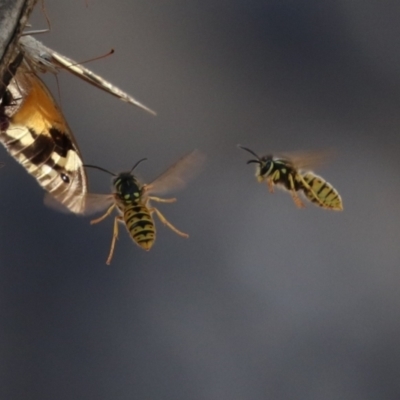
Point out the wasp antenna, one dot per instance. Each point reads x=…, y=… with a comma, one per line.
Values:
x=253, y=161
x=250, y=151
x=99, y=168
x=143, y=159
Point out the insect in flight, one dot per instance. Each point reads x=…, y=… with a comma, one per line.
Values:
x=132, y=200
x=36, y=134
x=43, y=59
x=289, y=173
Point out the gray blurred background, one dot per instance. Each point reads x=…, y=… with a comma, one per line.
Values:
x=263, y=301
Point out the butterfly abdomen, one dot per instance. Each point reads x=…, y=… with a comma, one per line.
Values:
x=321, y=192
x=140, y=225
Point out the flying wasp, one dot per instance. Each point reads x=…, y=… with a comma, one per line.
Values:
x=132, y=200
x=288, y=173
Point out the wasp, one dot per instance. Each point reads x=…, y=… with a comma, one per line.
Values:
x=131, y=199
x=289, y=173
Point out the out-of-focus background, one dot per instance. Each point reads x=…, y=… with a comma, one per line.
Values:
x=263, y=301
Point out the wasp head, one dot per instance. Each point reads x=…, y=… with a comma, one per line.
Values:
x=264, y=168
x=264, y=165
x=127, y=186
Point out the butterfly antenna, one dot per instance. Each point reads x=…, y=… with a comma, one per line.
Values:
x=112, y=51
x=143, y=159
x=99, y=168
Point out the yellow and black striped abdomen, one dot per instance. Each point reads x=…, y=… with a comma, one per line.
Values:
x=321, y=192
x=140, y=225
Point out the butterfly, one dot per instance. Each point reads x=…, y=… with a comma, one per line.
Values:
x=44, y=59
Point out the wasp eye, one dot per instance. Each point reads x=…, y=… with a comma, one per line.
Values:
x=266, y=167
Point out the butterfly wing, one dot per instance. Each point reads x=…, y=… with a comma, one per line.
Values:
x=44, y=59
x=39, y=137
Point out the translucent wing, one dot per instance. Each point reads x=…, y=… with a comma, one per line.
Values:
x=92, y=203
x=307, y=159
x=176, y=176
x=95, y=203
x=45, y=59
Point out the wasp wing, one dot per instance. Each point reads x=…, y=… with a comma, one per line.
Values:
x=307, y=159
x=93, y=203
x=176, y=176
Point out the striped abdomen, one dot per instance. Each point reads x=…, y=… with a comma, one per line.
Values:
x=321, y=192
x=140, y=225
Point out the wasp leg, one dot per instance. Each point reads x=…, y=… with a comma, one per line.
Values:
x=294, y=194
x=107, y=213
x=167, y=223
x=270, y=185
x=270, y=181
x=162, y=200
x=114, y=238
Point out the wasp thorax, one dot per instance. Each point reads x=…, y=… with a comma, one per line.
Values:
x=127, y=186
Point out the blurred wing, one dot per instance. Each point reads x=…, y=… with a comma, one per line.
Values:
x=307, y=159
x=176, y=176
x=45, y=59
x=92, y=203
x=95, y=203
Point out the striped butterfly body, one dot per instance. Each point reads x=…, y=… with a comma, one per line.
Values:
x=287, y=172
x=36, y=134
x=132, y=199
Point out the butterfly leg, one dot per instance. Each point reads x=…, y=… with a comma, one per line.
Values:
x=107, y=213
x=114, y=238
x=167, y=223
x=162, y=200
x=294, y=194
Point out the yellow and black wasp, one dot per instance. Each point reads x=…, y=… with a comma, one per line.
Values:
x=288, y=172
x=132, y=200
